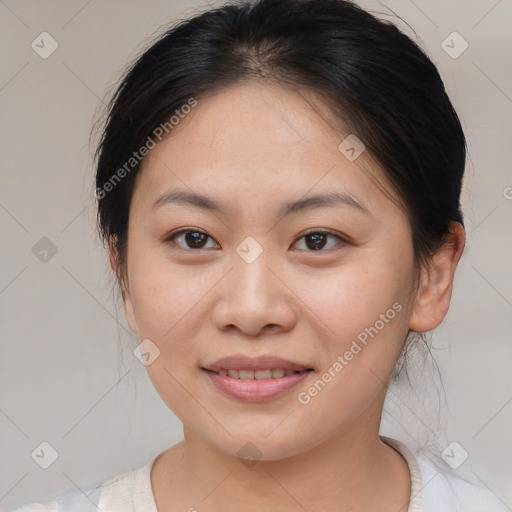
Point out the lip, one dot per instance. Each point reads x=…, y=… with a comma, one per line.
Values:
x=256, y=390
x=268, y=362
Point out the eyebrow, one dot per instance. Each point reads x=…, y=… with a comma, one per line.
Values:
x=326, y=199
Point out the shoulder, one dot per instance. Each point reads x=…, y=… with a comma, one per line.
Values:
x=85, y=501
x=38, y=507
x=452, y=490
x=442, y=488
x=127, y=492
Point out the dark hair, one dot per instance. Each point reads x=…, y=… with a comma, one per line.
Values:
x=381, y=84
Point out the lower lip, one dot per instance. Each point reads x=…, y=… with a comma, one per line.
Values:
x=256, y=390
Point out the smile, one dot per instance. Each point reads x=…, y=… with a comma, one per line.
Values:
x=256, y=386
x=275, y=373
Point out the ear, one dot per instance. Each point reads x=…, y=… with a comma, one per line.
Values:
x=434, y=293
x=125, y=288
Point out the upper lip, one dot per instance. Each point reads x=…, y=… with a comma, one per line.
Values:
x=242, y=362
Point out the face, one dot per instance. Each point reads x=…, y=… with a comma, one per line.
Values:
x=326, y=286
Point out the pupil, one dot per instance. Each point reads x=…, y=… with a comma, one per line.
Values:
x=316, y=238
x=194, y=239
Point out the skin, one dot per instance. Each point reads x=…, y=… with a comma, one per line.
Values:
x=254, y=147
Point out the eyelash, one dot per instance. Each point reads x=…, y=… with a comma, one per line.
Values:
x=341, y=240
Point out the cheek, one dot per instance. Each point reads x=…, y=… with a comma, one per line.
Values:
x=363, y=321
x=351, y=299
x=363, y=317
x=166, y=298
x=167, y=302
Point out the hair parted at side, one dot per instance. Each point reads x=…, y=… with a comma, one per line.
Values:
x=388, y=91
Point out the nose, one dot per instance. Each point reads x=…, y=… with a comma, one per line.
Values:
x=255, y=299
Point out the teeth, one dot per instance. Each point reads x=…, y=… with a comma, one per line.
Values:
x=246, y=374
x=275, y=373
x=262, y=374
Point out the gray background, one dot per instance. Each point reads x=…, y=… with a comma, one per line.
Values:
x=63, y=378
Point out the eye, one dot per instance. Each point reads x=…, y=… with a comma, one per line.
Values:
x=194, y=238
x=316, y=240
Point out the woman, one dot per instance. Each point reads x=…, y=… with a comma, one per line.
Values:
x=278, y=184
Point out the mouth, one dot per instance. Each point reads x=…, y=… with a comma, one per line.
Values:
x=274, y=373
x=255, y=379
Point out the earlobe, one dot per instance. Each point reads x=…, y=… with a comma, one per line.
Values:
x=125, y=292
x=434, y=293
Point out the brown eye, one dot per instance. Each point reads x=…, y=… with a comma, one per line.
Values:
x=190, y=239
x=317, y=240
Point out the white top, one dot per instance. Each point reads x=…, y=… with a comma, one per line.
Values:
x=435, y=487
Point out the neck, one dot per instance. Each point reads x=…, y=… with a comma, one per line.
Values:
x=352, y=471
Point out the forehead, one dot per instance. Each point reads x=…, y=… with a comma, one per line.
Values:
x=281, y=120
x=256, y=141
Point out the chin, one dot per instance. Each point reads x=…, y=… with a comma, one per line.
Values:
x=252, y=446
